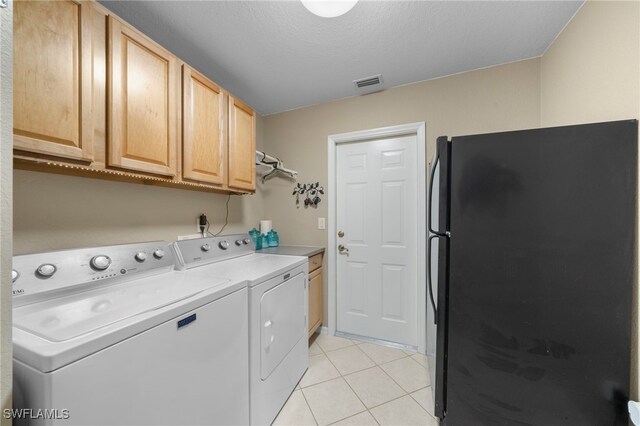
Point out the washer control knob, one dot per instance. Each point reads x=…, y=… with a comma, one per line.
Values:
x=46, y=270
x=14, y=275
x=100, y=262
x=141, y=256
x=158, y=253
x=223, y=245
x=238, y=242
x=205, y=247
x=246, y=241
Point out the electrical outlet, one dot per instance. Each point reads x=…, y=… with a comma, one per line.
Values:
x=201, y=221
x=322, y=223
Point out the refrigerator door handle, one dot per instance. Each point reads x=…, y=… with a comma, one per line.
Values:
x=433, y=173
x=429, y=282
x=436, y=234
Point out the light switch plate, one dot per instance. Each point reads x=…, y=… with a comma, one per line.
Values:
x=322, y=223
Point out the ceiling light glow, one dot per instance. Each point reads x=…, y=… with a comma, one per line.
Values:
x=329, y=8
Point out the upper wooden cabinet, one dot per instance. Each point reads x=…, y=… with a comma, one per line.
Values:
x=143, y=103
x=95, y=97
x=242, y=146
x=204, y=129
x=52, y=78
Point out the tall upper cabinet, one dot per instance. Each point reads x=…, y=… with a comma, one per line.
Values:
x=242, y=146
x=143, y=102
x=52, y=79
x=204, y=129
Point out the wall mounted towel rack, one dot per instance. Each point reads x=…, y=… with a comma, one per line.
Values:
x=270, y=165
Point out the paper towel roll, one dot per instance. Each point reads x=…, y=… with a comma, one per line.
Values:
x=265, y=226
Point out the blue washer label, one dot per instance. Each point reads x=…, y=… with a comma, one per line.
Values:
x=186, y=321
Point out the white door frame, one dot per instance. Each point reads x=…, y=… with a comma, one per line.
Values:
x=419, y=130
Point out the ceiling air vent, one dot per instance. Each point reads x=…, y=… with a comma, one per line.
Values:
x=369, y=83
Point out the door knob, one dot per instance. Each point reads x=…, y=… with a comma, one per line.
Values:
x=342, y=249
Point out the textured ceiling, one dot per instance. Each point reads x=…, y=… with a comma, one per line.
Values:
x=277, y=56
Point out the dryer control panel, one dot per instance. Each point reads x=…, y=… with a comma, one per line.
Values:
x=45, y=273
x=201, y=251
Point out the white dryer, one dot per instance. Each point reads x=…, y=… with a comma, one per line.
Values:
x=115, y=336
x=278, y=346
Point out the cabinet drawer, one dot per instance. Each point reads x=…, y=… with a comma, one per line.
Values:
x=315, y=262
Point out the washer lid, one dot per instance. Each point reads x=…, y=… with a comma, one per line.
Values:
x=71, y=316
x=255, y=268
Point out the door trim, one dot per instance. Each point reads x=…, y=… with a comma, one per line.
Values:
x=419, y=130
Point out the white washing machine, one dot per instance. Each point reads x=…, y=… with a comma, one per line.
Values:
x=278, y=346
x=116, y=336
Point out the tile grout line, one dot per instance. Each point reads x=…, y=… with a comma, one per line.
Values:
x=363, y=353
x=394, y=380
x=349, y=386
x=358, y=396
x=410, y=393
x=322, y=381
x=414, y=360
x=301, y=388
x=341, y=376
x=376, y=364
x=406, y=393
x=404, y=354
x=388, y=362
x=359, y=399
x=309, y=407
x=379, y=366
x=418, y=402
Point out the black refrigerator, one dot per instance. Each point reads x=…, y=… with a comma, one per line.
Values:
x=531, y=265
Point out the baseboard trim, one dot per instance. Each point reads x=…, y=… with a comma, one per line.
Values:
x=377, y=341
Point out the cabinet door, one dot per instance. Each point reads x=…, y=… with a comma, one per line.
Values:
x=242, y=146
x=315, y=300
x=52, y=78
x=204, y=135
x=143, y=103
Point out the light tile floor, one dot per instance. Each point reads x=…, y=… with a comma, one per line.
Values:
x=355, y=383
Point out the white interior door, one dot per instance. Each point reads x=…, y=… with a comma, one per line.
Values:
x=377, y=212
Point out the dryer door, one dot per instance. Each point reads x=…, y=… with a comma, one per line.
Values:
x=282, y=322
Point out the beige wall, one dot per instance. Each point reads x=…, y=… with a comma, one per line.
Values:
x=591, y=73
x=6, y=156
x=54, y=212
x=494, y=99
